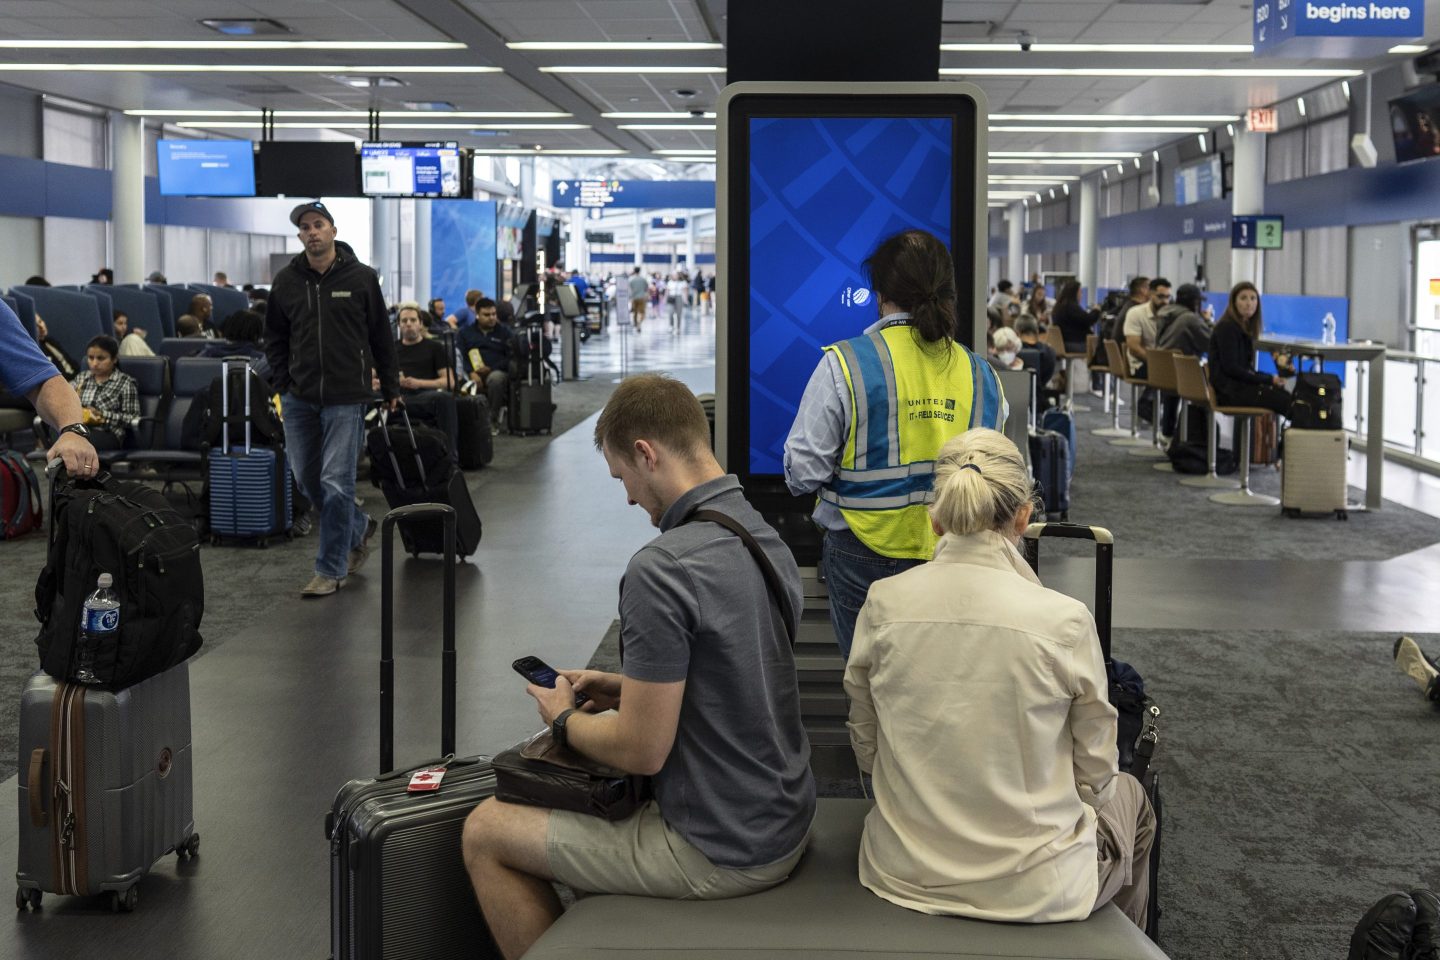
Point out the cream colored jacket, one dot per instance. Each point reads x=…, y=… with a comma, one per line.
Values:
x=977, y=699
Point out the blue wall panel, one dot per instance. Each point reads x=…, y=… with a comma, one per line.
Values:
x=79, y=192
x=462, y=249
x=24, y=191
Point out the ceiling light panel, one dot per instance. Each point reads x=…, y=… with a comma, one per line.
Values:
x=1123, y=48
x=666, y=126
x=1147, y=72
x=593, y=68
x=359, y=114
x=614, y=46
x=282, y=45
x=1094, y=129
x=1116, y=117
x=655, y=115
x=334, y=69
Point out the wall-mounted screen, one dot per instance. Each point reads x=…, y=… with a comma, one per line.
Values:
x=308, y=168
x=429, y=170
x=1415, y=123
x=206, y=168
x=1200, y=181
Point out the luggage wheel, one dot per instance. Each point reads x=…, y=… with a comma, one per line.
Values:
x=189, y=847
x=124, y=902
x=28, y=898
x=1342, y=514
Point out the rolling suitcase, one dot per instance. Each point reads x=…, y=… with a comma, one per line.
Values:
x=398, y=886
x=105, y=786
x=1312, y=475
x=1050, y=458
x=477, y=446
x=248, y=492
x=1057, y=421
x=531, y=410
x=413, y=465
x=1138, y=733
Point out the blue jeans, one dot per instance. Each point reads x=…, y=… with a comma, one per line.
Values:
x=323, y=445
x=850, y=567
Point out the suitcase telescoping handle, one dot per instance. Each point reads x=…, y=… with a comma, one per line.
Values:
x=409, y=514
x=225, y=402
x=1104, y=567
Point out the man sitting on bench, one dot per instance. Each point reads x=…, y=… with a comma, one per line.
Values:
x=707, y=702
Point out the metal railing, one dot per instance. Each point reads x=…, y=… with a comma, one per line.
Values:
x=1409, y=406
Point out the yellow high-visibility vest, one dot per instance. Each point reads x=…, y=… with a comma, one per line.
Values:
x=905, y=403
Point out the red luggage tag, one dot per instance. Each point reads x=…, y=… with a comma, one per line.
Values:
x=426, y=781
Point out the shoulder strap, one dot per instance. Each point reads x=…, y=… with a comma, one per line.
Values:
x=772, y=579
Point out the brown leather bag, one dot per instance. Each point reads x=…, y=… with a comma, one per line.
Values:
x=1264, y=441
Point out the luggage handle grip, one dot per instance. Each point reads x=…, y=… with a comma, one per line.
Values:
x=38, y=817
x=412, y=512
x=1104, y=542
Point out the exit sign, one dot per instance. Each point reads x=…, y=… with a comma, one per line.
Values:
x=1257, y=233
x=1261, y=120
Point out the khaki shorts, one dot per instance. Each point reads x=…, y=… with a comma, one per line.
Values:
x=642, y=856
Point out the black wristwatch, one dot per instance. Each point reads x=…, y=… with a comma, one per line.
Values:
x=557, y=727
x=76, y=428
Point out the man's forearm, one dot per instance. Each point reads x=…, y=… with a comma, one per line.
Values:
x=56, y=402
x=597, y=735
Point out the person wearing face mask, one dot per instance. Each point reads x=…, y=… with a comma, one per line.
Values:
x=1232, y=356
x=1010, y=682
x=1007, y=349
x=875, y=412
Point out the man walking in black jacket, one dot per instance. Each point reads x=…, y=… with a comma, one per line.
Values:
x=325, y=328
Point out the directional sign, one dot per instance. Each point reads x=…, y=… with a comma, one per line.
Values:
x=1257, y=233
x=1332, y=29
x=642, y=194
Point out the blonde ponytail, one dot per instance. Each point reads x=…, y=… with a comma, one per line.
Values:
x=980, y=483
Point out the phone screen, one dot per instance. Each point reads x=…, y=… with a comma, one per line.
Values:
x=541, y=674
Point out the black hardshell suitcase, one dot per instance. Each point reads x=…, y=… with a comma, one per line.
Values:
x=1138, y=733
x=1050, y=459
x=477, y=446
x=398, y=885
x=433, y=479
x=531, y=409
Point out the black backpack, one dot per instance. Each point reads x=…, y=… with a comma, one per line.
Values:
x=131, y=532
x=202, y=422
x=1316, y=404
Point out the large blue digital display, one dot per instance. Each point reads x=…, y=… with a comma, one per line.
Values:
x=824, y=191
x=206, y=168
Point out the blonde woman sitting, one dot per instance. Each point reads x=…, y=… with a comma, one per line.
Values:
x=977, y=701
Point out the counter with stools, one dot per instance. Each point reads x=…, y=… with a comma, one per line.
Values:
x=1193, y=387
x=1112, y=390
x=1244, y=497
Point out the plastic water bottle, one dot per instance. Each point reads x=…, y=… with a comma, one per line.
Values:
x=1327, y=326
x=99, y=620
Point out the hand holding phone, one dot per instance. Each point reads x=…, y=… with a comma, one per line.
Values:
x=541, y=674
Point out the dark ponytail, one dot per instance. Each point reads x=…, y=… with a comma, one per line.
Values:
x=914, y=271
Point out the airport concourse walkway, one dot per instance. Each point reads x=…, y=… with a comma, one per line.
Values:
x=1296, y=760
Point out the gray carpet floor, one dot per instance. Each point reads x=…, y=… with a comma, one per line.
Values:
x=1297, y=781
x=238, y=578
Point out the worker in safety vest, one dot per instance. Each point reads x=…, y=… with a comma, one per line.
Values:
x=873, y=417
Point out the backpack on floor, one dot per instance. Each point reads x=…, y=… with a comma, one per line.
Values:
x=21, y=509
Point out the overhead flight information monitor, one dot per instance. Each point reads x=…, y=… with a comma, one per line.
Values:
x=812, y=178
x=434, y=170
x=206, y=168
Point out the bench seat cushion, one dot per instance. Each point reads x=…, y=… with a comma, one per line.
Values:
x=822, y=911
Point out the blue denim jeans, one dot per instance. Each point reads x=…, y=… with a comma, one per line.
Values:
x=323, y=445
x=850, y=567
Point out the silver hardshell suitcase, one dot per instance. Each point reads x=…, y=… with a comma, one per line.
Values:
x=106, y=786
x=1312, y=473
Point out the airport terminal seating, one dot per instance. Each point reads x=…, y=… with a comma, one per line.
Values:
x=1112, y=388
x=152, y=381
x=1162, y=375
x=1056, y=339
x=72, y=318
x=179, y=296
x=138, y=306
x=820, y=913
x=162, y=305
x=189, y=376
x=24, y=308
x=1243, y=497
x=1019, y=389
x=226, y=300
x=1193, y=387
x=1119, y=363
x=177, y=347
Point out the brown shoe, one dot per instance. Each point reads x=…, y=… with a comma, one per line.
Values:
x=321, y=586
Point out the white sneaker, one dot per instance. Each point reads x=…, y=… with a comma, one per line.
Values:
x=321, y=586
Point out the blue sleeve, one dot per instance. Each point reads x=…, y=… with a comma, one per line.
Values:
x=23, y=366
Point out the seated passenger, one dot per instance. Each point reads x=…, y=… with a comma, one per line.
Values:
x=427, y=375
x=244, y=330
x=186, y=325
x=1232, y=356
x=487, y=348
x=1006, y=352
x=1035, y=354
x=1075, y=322
x=110, y=398
x=978, y=702
x=68, y=368
x=132, y=339
x=707, y=702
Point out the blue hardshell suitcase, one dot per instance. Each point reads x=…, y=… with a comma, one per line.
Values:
x=1050, y=459
x=1062, y=423
x=250, y=489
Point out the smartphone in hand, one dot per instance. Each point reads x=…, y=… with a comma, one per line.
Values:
x=541, y=674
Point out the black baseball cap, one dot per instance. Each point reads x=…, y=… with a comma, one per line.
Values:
x=314, y=206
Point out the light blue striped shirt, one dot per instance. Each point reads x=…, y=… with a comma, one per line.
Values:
x=817, y=437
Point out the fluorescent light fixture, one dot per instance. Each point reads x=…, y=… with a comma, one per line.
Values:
x=594, y=69
x=687, y=160
x=1095, y=129
x=1052, y=193
x=328, y=125
x=666, y=126
x=1408, y=48
x=1113, y=117
x=1075, y=162
x=336, y=69
x=1230, y=129
x=656, y=115
x=1345, y=88
x=1137, y=163
x=1056, y=178
x=1204, y=144
x=1067, y=188
x=603, y=46
x=1100, y=47
x=358, y=114
x=1276, y=72
x=1120, y=169
x=1155, y=155
x=1087, y=154
x=690, y=152
x=552, y=152
x=229, y=44
x=1105, y=174
x=1300, y=102
x=1037, y=198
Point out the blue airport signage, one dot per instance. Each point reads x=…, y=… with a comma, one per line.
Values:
x=1302, y=29
x=1257, y=233
x=634, y=194
x=667, y=223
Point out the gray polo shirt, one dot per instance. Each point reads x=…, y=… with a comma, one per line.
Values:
x=694, y=607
